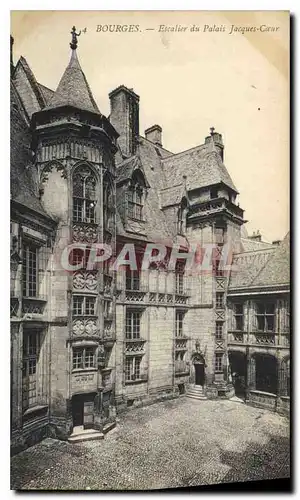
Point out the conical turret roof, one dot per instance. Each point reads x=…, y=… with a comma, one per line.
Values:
x=73, y=89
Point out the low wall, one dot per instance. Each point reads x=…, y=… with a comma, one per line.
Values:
x=262, y=399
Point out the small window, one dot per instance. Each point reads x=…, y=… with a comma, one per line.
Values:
x=133, y=324
x=133, y=368
x=179, y=324
x=132, y=279
x=219, y=300
x=218, y=362
x=31, y=349
x=265, y=316
x=30, y=270
x=84, y=305
x=84, y=358
x=84, y=195
x=238, y=312
x=219, y=330
x=135, y=202
x=179, y=278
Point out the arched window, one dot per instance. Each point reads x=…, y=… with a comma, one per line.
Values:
x=84, y=195
x=135, y=197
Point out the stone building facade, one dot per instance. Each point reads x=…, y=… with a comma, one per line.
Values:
x=88, y=343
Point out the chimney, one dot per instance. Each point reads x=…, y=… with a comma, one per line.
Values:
x=154, y=134
x=11, y=55
x=124, y=116
x=255, y=236
x=216, y=141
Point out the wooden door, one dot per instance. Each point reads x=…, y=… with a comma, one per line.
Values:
x=88, y=414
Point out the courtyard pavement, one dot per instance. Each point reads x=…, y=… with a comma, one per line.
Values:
x=177, y=443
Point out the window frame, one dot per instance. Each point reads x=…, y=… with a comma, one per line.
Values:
x=133, y=325
x=29, y=362
x=219, y=333
x=133, y=279
x=85, y=306
x=83, y=364
x=30, y=287
x=88, y=212
x=220, y=304
x=238, y=316
x=218, y=362
x=135, y=201
x=132, y=368
x=179, y=323
x=265, y=317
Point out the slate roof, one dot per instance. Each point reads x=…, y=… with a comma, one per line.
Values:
x=73, y=89
x=172, y=195
x=202, y=166
x=23, y=173
x=267, y=267
x=29, y=91
x=47, y=93
x=251, y=245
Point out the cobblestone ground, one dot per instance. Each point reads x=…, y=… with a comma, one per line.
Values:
x=182, y=442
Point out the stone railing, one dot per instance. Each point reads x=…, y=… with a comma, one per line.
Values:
x=33, y=305
x=134, y=347
x=237, y=337
x=134, y=296
x=263, y=338
x=181, y=343
x=259, y=338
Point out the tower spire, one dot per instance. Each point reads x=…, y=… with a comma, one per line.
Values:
x=73, y=43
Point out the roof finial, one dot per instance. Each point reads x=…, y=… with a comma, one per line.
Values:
x=73, y=44
x=212, y=129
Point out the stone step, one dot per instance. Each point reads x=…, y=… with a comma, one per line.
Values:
x=193, y=396
x=87, y=435
x=195, y=391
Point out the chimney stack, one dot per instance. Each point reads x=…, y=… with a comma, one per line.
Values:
x=255, y=236
x=216, y=141
x=124, y=116
x=154, y=134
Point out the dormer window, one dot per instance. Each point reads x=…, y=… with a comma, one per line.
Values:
x=135, y=202
x=84, y=195
x=214, y=193
x=135, y=197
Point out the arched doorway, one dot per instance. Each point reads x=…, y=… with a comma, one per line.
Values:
x=238, y=367
x=199, y=367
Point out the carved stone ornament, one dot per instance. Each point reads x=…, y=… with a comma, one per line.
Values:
x=84, y=279
x=84, y=327
x=49, y=167
x=83, y=232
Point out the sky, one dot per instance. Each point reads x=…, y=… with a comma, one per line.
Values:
x=187, y=81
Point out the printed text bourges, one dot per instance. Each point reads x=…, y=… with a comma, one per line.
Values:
x=178, y=28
